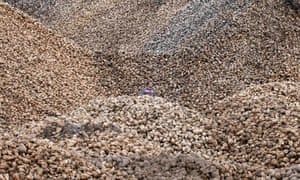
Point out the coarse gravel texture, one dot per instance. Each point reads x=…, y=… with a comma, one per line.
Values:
x=202, y=25
x=243, y=43
x=195, y=83
x=227, y=104
x=41, y=73
x=257, y=44
x=192, y=19
x=259, y=124
x=105, y=25
x=144, y=137
x=83, y=144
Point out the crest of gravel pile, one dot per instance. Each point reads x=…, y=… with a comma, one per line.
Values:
x=105, y=25
x=255, y=44
x=102, y=140
x=193, y=82
x=41, y=73
x=145, y=137
x=256, y=134
x=155, y=119
x=225, y=46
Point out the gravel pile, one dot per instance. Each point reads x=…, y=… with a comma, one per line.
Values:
x=225, y=51
x=27, y=157
x=249, y=33
x=230, y=106
x=254, y=130
x=41, y=73
x=202, y=27
x=182, y=166
x=258, y=127
x=165, y=123
x=193, y=82
x=92, y=143
x=145, y=137
x=192, y=19
x=106, y=25
x=256, y=43
x=36, y=8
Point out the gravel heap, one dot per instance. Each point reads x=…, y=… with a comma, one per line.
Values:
x=194, y=83
x=155, y=120
x=41, y=73
x=193, y=18
x=249, y=33
x=201, y=129
x=145, y=137
x=36, y=8
x=259, y=126
x=107, y=25
x=242, y=43
x=25, y=156
x=255, y=44
x=257, y=131
x=203, y=26
x=101, y=140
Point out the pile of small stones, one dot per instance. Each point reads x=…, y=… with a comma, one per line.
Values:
x=143, y=137
x=212, y=123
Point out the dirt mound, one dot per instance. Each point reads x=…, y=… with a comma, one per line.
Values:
x=259, y=126
x=104, y=25
x=41, y=73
